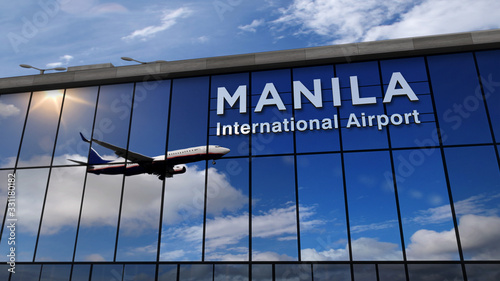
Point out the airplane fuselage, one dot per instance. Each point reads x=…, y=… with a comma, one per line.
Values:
x=159, y=165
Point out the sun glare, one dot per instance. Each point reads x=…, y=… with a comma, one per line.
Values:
x=54, y=95
x=49, y=100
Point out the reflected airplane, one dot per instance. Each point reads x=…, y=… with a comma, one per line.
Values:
x=163, y=166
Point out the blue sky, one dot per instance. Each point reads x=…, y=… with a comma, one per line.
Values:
x=50, y=33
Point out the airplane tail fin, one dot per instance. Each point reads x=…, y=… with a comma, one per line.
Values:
x=95, y=158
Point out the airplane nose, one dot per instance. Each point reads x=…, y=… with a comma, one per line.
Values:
x=226, y=150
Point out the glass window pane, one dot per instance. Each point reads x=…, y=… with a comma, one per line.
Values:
x=60, y=218
x=140, y=214
x=196, y=272
x=7, y=189
x=27, y=272
x=322, y=208
x=228, y=220
x=475, y=184
x=107, y=272
x=55, y=272
x=479, y=272
x=459, y=104
x=139, y=272
x=167, y=272
x=293, y=272
x=41, y=127
x=262, y=272
x=31, y=185
x=77, y=116
x=391, y=272
x=81, y=272
x=274, y=216
x=12, y=115
x=365, y=272
x=327, y=272
x=140, y=218
x=435, y=272
x=372, y=207
x=183, y=209
x=4, y=271
x=425, y=205
x=487, y=62
x=231, y=272
x=99, y=218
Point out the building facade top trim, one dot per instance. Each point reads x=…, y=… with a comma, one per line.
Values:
x=394, y=48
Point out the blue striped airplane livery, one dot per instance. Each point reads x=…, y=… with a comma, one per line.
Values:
x=172, y=163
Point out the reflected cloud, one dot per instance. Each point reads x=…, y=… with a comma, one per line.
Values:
x=373, y=226
x=480, y=237
x=477, y=205
x=8, y=110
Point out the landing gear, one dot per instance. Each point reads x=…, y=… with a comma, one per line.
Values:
x=213, y=162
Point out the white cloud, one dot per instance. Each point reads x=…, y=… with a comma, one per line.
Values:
x=252, y=27
x=94, y=257
x=373, y=226
x=363, y=248
x=327, y=255
x=63, y=60
x=345, y=21
x=480, y=237
x=8, y=110
x=169, y=18
x=271, y=256
x=440, y=16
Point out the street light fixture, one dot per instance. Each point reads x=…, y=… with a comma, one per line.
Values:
x=42, y=71
x=141, y=62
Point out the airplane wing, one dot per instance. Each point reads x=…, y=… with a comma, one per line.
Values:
x=122, y=152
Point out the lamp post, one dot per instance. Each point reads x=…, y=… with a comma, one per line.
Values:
x=141, y=62
x=42, y=71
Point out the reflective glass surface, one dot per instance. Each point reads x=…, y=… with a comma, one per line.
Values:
x=12, y=117
x=301, y=181
x=475, y=184
x=460, y=110
x=372, y=207
x=41, y=127
x=274, y=215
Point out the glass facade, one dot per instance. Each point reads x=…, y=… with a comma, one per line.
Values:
x=376, y=170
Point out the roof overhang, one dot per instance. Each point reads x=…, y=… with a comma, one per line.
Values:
x=108, y=74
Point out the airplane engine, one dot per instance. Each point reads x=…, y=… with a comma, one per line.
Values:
x=177, y=169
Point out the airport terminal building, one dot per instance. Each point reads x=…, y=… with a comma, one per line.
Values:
x=367, y=161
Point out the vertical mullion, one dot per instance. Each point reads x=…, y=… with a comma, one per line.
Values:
x=299, y=255
x=205, y=196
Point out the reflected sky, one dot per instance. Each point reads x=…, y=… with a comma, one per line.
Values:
x=12, y=116
x=41, y=128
